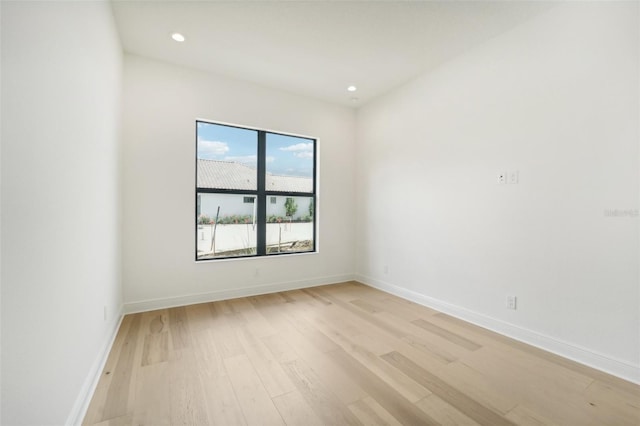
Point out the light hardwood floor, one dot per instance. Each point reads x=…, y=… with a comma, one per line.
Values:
x=340, y=355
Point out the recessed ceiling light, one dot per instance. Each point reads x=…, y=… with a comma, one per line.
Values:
x=352, y=88
x=177, y=37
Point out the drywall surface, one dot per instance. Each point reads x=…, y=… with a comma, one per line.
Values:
x=555, y=99
x=61, y=84
x=161, y=105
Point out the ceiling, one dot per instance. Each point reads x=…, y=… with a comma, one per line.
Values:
x=316, y=48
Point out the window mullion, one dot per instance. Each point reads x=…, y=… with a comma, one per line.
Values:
x=261, y=198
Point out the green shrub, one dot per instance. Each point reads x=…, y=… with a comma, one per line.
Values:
x=204, y=220
x=291, y=207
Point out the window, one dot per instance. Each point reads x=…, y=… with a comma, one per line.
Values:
x=237, y=171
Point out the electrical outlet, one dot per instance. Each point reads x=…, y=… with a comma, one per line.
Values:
x=512, y=302
x=256, y=273
x=502, y=177
x=385, y=269
x=513, y=177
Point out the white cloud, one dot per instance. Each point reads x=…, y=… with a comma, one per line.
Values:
x=212, y=148
x=304, y=147
x=303, y=154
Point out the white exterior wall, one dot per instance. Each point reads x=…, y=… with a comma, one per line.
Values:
x=278, y=208
x=229, y=205
x=235, y=205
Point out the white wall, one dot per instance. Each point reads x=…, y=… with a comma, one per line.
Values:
x=61, y=71
x=278, y=208
x=235, y=205
x=231, y=205
x=556, y=99
x=1, y=217
x=161, y=105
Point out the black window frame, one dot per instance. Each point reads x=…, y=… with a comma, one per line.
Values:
x=261, y=194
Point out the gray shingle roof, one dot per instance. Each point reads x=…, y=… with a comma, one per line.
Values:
x=232, y=175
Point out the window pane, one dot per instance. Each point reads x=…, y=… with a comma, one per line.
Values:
x=226, y=226
x=227, y=157
x=290, y=225
x=289, y=162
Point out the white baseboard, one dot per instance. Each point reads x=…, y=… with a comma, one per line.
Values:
x=170, y=302
x=81, y=405
x=573, y=352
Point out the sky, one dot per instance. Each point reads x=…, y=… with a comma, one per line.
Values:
x=286, y=155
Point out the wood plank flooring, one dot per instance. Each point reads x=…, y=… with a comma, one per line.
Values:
x=344, y=354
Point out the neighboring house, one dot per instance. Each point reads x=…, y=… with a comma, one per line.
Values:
x=238, y=176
